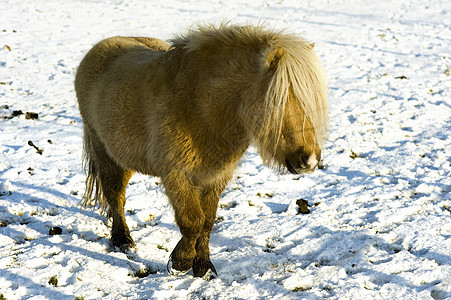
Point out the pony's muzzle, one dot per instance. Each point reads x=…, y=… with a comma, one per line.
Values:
x=301, y=164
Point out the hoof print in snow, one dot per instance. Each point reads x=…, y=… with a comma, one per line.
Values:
x=3, y=224
x=302, y=206
x=55, y=231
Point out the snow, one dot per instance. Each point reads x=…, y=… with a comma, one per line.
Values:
x=379, y=224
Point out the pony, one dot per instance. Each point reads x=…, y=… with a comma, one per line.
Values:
x=186, y=111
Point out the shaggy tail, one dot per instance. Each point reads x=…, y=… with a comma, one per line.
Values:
x=93, y=196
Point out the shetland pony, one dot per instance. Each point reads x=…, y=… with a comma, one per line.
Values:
x=186, y=111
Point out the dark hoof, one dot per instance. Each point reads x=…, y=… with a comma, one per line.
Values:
x=177, y=266
x=181, y=260
x=202, y=266
x=177, y=269
x=124, y=242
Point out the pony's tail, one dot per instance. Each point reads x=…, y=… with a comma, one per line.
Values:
x=93, y=196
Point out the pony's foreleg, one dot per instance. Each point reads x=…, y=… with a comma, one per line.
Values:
x=185, y=199
x=209, y=202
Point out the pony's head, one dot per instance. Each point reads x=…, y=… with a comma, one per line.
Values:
x=290, y=124
x=277, y=85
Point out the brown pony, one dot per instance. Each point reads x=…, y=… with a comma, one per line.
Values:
x=187, y=111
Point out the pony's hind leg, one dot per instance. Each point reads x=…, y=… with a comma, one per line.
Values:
x=114, y=184
x=113, y=181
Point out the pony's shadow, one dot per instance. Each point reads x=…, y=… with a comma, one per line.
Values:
x=133, y=258
x=31, y=198
x=42, y=226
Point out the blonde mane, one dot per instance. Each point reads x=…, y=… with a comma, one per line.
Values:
x=298, y=74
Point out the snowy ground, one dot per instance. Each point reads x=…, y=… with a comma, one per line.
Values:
x=380, y=221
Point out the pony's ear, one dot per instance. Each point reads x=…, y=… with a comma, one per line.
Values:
x=311, y=46
x=273, y=57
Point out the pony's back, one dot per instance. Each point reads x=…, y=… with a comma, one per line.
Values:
x=103, y=54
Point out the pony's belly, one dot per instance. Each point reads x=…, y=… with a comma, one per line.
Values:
x=129, y=152
x=136, y=163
